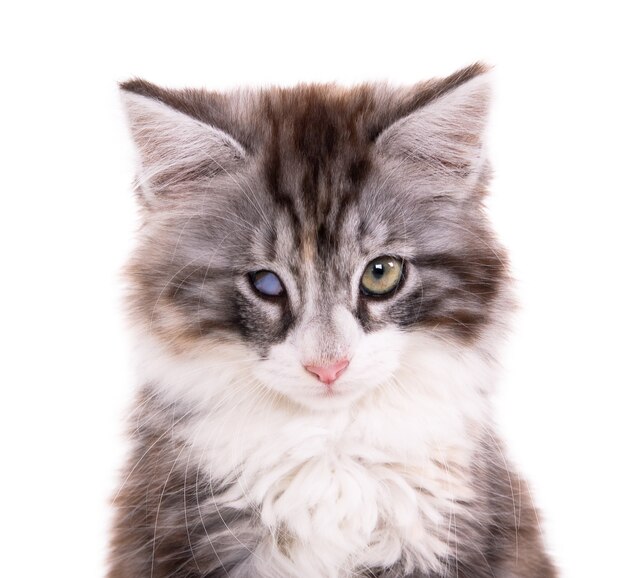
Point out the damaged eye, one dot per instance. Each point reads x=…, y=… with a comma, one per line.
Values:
x=267, y=283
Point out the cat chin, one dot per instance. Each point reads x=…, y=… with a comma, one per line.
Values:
x=338, y=399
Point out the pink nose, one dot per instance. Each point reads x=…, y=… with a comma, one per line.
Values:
x=328, y=373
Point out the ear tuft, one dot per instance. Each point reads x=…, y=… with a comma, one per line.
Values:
x=174, y=148
x=445, y=134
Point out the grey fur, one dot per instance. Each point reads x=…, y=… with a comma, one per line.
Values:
x=318, y=175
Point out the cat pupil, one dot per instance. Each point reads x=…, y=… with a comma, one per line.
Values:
x=379, y=270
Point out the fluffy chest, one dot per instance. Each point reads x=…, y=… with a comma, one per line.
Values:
x=335, y=493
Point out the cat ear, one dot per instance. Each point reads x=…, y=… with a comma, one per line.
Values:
x=445, y=134
x=174, y=147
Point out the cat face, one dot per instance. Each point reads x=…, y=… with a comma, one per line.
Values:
x=319, y=229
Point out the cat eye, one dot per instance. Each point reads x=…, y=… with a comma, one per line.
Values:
x=267, y=283
x=381, y=276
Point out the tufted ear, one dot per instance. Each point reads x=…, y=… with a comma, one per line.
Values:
x=174, y=147
x=444, y=135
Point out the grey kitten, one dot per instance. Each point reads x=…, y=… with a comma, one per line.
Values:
x=318, y=303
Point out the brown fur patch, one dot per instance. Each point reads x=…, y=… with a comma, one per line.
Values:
x=312, y=193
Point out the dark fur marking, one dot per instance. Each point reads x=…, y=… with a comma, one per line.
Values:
x=167, y=525
x=314, y=146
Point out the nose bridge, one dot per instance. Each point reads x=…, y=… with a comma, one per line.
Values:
x=322, y=333
x=320, y=337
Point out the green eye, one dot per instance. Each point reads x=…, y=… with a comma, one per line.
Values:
x=381, y=276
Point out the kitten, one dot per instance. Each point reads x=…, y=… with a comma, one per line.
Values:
x=318, y=301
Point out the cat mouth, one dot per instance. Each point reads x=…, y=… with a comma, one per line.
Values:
x=333, y=391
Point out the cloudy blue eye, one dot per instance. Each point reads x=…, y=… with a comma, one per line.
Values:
x=267, y=283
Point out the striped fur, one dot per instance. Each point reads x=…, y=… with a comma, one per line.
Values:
x=244, y=465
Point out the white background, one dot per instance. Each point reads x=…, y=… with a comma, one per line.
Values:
x=67, y=221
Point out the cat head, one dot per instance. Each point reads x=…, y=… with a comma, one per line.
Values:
x=327, y=234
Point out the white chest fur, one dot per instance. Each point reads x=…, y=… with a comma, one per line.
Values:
x=338, y=491
x=343, y=491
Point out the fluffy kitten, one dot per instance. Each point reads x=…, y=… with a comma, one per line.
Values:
x=318, y=301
